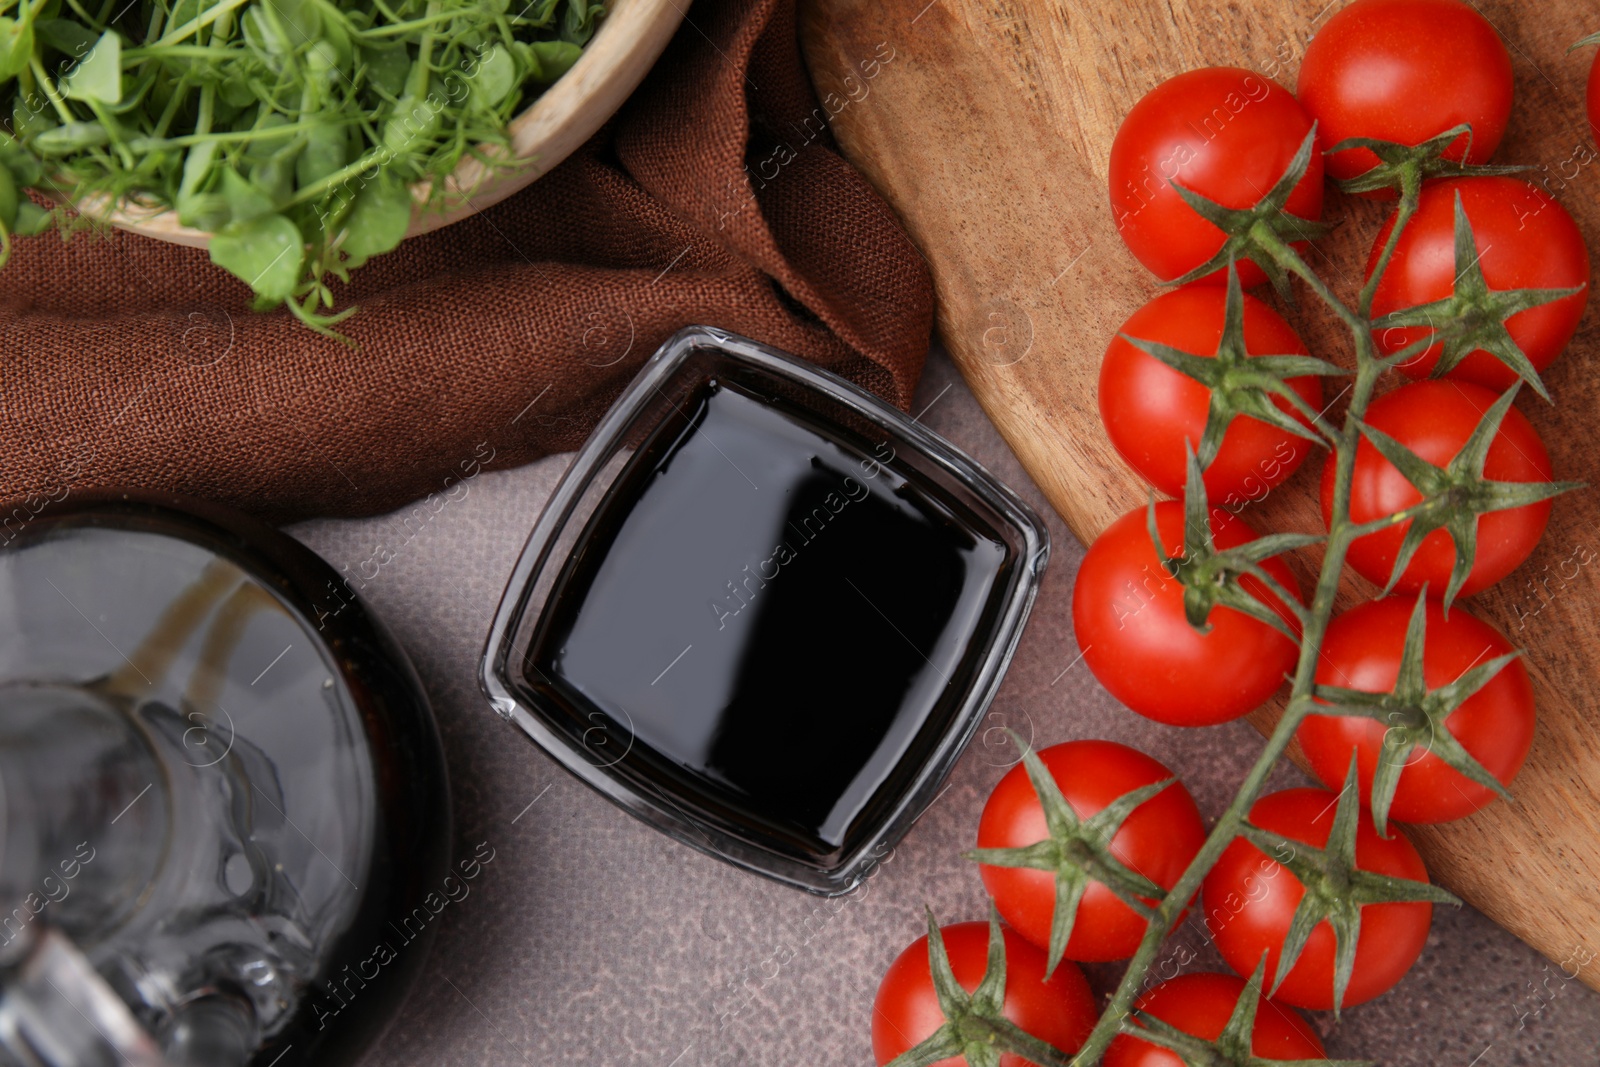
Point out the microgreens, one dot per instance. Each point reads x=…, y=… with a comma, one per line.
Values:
x=293, y=131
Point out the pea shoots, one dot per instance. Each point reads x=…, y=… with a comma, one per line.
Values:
x=293, y=131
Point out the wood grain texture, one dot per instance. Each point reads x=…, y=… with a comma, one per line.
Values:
x=989, y=130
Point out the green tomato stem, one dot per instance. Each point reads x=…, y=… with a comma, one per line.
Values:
x=1411, y=192
x=1341, y=532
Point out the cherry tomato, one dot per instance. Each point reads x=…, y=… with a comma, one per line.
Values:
x=1250, y=899
x=1201, y=1004
x=1434, y=419
x=1525, y=240
x=1225, y=133
x=1158, y=840
x=1149, y=409
x=1128, y=615
x=906, y=1012
x=1362, y=651
x=1405, y=71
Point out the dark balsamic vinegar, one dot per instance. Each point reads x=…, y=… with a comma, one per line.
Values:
x=773, y=618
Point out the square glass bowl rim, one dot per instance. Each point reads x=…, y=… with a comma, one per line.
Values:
x=511, y=618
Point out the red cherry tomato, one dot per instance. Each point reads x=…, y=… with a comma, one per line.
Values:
x=1149, y=409
x=1362, y=651
x=1201, y=1004
x=1225, y=133
x=1525, y=240
x=1381, y=69
x=1434, y=419
x=1129, y=619
x=906, y=1012
x=1158, y=840
x=1250, y=899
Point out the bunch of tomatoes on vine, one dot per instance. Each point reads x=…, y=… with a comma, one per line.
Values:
x=1435, y=486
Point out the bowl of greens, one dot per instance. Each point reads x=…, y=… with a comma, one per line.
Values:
x=299, y=138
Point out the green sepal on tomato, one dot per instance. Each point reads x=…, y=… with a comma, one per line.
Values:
x=1380, y=69
x=1202, y=365
x=1153, y=627
x=1214, y=1018
x=1226, y=134
x=971, y=995
x=1437, y=708
x=1310, y=881
x=1474, y=466
x=1502, y=298
x=1072, y=832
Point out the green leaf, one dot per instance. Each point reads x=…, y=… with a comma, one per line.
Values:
x=324, y=153
x=235, y=89
x=97, y=77
x=378, y=219
x=70, y=137
x=275, y=175
x=387, y=69
x=267, y=38
x=539, y=13
x=411, y=124
x=9, y=198
x=265, y=253
x=579, y=24
x=495, y=76
x=548, y=60
x=33, y=219
x=301, y=20
x=16, y=46
x=66, y=36
x=20, y=162
x=245, y=200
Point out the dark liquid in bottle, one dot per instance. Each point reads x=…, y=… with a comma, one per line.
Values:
x=769, y=621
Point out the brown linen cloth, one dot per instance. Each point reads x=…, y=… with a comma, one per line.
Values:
x=134, y=363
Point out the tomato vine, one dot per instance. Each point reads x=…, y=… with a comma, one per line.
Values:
x=1455, y=494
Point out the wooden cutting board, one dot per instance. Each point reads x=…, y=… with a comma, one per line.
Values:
x=988, y=125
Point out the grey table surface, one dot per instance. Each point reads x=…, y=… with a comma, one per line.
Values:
x=593, y=939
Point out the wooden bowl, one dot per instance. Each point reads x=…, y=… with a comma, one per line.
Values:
x=630, y=38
